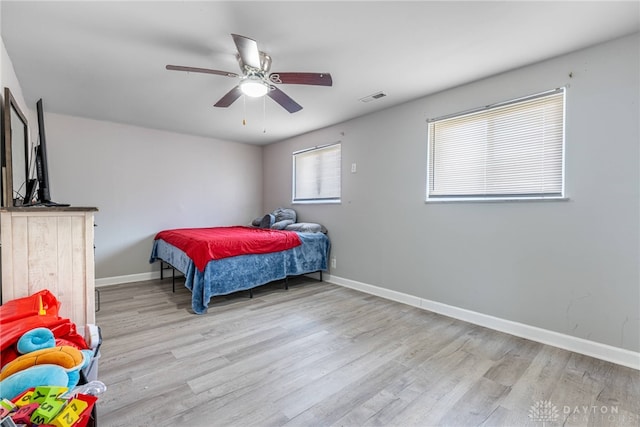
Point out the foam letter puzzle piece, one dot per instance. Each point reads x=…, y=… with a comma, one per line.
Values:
x=70, y=414
x=47, y=411
x=7, y=404
x=23, y=399
x=42, y=393
x=23, y=414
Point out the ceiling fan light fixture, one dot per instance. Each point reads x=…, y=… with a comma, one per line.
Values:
x=254, y=87
x=256, y=80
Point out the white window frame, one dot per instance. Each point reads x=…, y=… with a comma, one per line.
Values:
x=434, y=194
x=332, y=180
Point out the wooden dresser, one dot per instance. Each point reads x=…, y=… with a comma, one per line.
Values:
x=50, y=248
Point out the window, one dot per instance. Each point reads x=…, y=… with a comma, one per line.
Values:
x=316, y=175
x=512, y=150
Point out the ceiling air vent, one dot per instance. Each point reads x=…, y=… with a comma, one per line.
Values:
x=373, y=97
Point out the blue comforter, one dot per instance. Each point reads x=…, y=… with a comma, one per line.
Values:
x=228, y=275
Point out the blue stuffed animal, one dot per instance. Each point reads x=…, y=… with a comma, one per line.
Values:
x=39, y=367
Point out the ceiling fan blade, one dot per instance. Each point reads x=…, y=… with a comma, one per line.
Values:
x=201, y=70
x=248, y=50
x=284, y=100
x=229, y=98
x=319, y=79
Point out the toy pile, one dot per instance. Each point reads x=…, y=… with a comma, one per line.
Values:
x=45, y=365
x=47, y=406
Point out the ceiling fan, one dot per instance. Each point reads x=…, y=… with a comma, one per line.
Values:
x=256, y=80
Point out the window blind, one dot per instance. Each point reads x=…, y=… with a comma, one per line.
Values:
x=512, y=150
x=316, y=174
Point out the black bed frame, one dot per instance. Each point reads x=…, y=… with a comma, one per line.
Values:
x=166, y=266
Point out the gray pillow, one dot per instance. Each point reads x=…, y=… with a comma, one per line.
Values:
x=306, y=227
x=280, y=225
x=282, y=214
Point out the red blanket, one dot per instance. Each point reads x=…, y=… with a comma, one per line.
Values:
x=204, y=244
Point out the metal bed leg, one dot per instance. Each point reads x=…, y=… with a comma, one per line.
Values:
x=250, y=293
x=286, y=283
x=321, y=275
x=173, y=274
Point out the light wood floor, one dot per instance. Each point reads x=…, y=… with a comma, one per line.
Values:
x=322, y=355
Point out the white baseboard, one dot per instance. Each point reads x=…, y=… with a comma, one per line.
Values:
x=606, y=352
x=116, y=280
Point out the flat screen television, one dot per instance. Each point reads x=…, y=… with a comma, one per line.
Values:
x=42, y=169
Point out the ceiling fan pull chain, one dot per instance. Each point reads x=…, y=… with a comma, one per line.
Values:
x=244, y=110
x=264, y=114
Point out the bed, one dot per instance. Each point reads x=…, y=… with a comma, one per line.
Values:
x=223, y=260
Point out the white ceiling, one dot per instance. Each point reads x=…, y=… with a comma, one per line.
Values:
x=106, y=59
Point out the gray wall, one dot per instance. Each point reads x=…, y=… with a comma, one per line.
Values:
x=144, y=180
x=9, y=79
x=566, y=266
